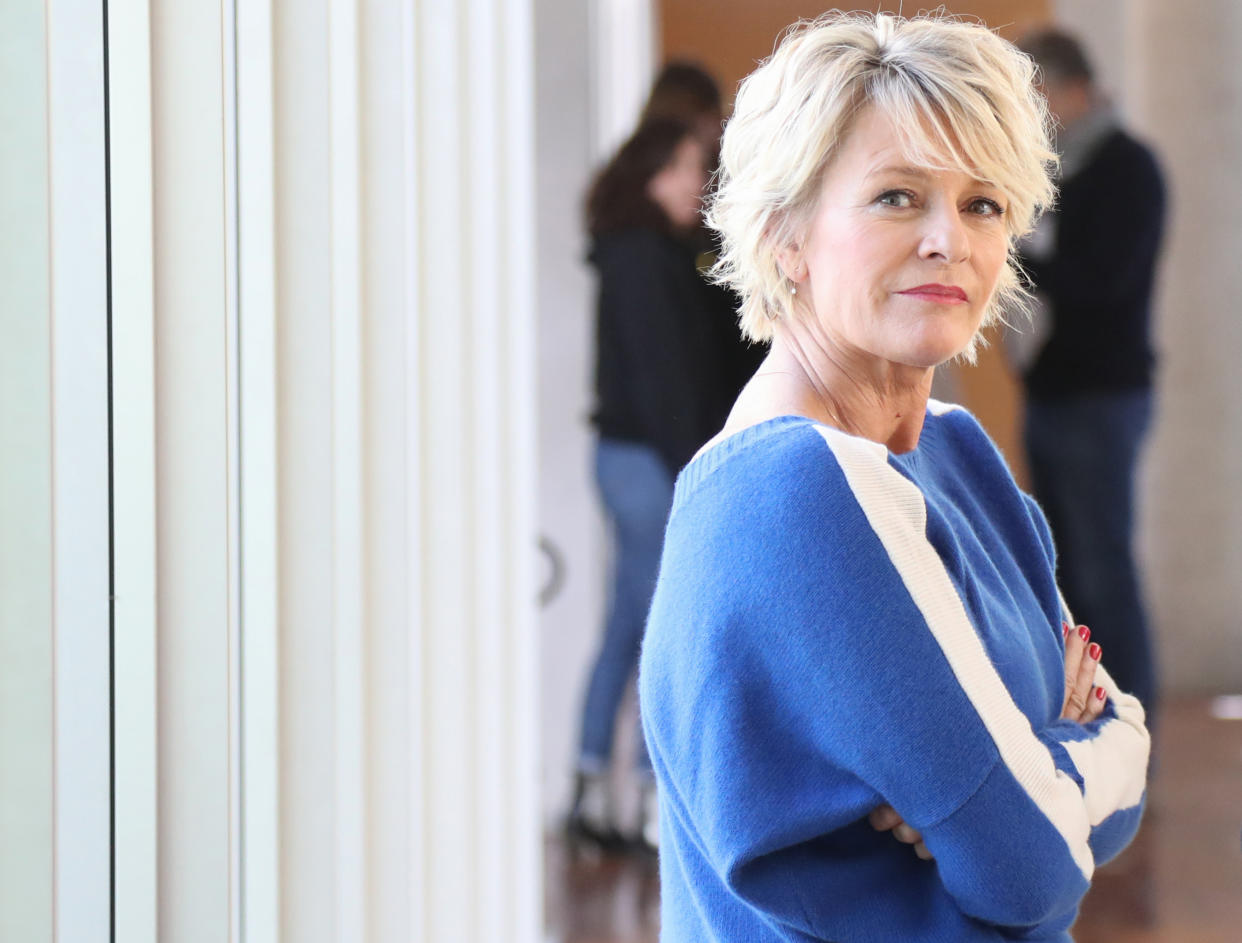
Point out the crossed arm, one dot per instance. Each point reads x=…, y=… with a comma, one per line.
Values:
x=1084, y=702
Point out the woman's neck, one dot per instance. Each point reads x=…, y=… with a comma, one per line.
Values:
x=885, y=403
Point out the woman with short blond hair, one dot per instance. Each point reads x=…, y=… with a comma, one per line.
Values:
x=868, y=714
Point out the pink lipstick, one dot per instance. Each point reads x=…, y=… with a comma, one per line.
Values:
x=942, y=294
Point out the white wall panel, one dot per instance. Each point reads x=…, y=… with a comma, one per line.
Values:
x=387, y=177
x=570, y=521
x=131, y=239
x=344, y=321
x=260, y=654
x=348, y=613
x=479, y=824
x=193, y=470
x=441, y=375
x=80, y=415
x=304, y=378
x=520, y=788
x=26, y=561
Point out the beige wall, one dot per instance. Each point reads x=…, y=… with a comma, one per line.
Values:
x=1183, y=91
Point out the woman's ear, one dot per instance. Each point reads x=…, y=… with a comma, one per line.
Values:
x=792, y=264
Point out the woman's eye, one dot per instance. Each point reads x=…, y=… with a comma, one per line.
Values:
x=982, y=206
x=899, y=198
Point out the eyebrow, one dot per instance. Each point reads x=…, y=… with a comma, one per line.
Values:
x=904, y=170
x=913, y=170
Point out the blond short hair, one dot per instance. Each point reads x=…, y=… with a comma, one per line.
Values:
x=962, y=97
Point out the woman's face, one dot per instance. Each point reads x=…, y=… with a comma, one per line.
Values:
x=899, y=262
x=677, y=188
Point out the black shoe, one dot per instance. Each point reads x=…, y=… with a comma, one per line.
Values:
x=581, y=833
x=591, y=820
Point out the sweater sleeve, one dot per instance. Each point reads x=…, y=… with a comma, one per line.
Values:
x=859, y=675
x=1109, y=763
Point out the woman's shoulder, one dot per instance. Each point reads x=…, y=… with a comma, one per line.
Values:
x=783, y=466
x=954, y=432
x=769, y=443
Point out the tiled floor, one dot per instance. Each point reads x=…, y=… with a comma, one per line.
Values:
x=1180, y=882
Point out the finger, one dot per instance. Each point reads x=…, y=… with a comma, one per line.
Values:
x=1095, y=704
x=921, y=850
x=1075, y=647
x=1084, y=684
x=883, y=818
x=907, y=835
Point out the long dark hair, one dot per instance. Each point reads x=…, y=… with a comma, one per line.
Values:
x=683, y=90
x=618, y=198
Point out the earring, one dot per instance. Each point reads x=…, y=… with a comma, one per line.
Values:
x=793, y=289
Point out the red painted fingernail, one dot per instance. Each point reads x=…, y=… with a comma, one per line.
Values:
x=1065, y=627
x=1100, y=693
x=1084, y=633
x=1094, y=651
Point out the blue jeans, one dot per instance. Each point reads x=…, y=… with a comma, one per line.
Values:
x=1083, y=450
x=637, y=492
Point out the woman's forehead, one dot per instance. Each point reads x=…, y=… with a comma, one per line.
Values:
x=879, y=146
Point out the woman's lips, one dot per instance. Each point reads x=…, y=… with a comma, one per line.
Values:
x=942, y=294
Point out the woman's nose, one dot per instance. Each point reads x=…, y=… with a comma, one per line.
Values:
x=945, y=238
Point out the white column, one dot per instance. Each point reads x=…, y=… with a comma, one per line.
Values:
x=306, y=463
x=349, y=621
x=402, y=155
x=260, y=611
x=343, y=317
x=132, y=241
x=1186, y=98
x=80, y=480
x=471, y=401
x=388, y=228
x=26, y=569
x=195, y=442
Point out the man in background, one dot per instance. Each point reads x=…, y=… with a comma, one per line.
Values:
x=1089, y=386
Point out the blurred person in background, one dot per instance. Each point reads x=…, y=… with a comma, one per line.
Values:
x=856, y=660
x=1092, y=264
x=688, y=92
x=662, y=388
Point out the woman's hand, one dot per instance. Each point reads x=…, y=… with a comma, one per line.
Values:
x=884, y=818
x=1084, y=701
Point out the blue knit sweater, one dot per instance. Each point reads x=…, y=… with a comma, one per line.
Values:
x=836, y=627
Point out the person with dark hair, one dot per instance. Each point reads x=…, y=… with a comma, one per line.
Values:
x=663, y=388
x=688, y=92
x=1089, y=386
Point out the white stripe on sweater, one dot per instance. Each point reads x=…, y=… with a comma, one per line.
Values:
x=897, y=513
x=1122, y=744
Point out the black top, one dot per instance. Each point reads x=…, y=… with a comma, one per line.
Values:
x=1098, y=281
x=669, y=357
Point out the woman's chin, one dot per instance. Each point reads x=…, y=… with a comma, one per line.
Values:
x=936, y=348
x=929, y=356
